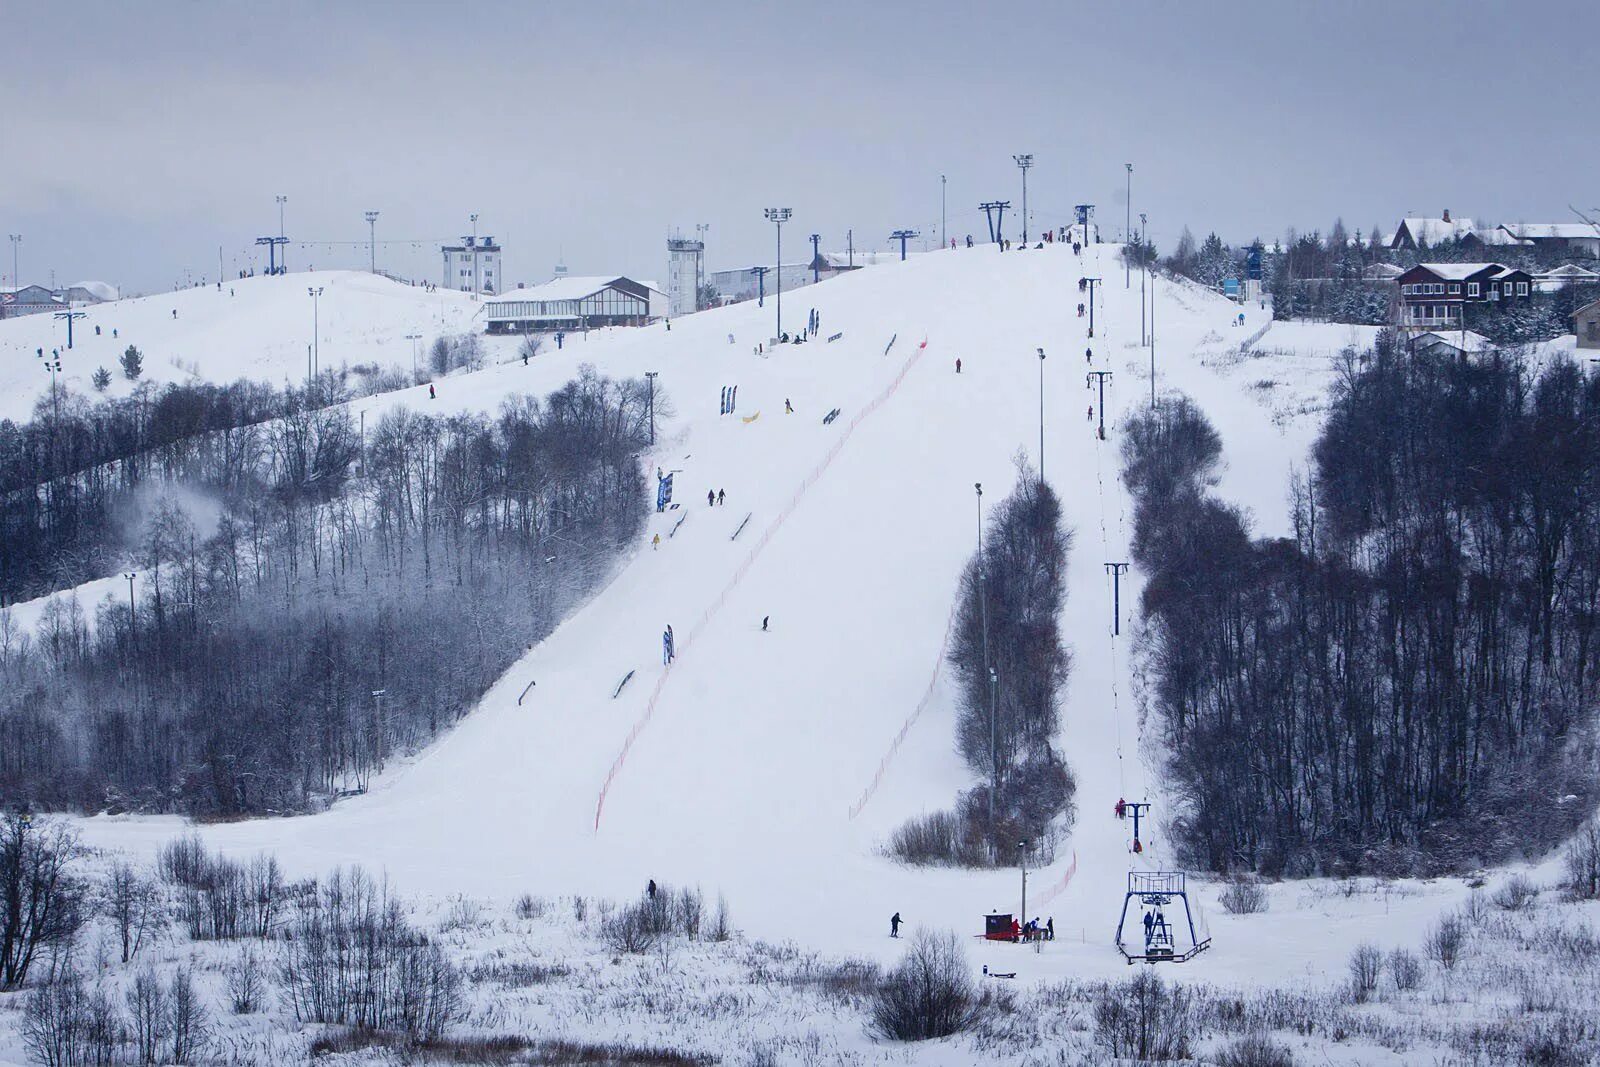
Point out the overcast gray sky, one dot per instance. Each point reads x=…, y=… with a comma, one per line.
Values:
x=137, y=138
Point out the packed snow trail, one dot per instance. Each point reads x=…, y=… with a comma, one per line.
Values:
x=744, y=568
x=763, y=741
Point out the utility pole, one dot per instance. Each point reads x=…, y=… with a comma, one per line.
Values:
x=1023, y=163
x=69, y=315
x=315, y=293
x=816, y=241
x=1090, y=283
x=902, y=236
x=1115, y=570
x=778, y=216
x=1041, y=414
x=650, y=376
x=372, y=241
x=850, y=248
x=283, y=241
x=1127, y=228
x=700, y=229
x=16, y=241
x=995, y=212
x=944, y=234
x=1089, y=382
x=761, y=282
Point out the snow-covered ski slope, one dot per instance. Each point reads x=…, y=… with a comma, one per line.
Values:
x=255, y=328
x=766, y=765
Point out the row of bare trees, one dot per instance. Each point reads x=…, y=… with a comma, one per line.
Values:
x=1408, y=682
x=346, y=600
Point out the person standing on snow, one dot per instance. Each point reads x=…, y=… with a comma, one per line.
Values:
x=958, y=366
x=788, y=408
x=1088, y=356
x=1091, y=412
x=711, y=498
x=764, y=620
x=655, y=542
x=969, y=240
x=431, y=393
x=1121, y=808
x=894, y=925
x=722, y=495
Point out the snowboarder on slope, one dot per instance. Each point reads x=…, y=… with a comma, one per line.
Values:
x=894, y=925
x=788, y=408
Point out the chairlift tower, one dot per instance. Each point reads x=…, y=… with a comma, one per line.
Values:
x=903, y=236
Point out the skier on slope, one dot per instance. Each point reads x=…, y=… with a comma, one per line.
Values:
x=711, y=498
x=431, y=394
x=1088, y=356
x=788, y=408
x=969, y=240
x=722, y=495
x=1091, y=412
x=894, y=925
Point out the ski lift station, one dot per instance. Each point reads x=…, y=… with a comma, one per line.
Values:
x=1173, y=929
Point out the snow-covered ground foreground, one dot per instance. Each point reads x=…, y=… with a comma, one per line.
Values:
x=767, y=766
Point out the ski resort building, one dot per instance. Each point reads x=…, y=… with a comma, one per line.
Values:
x=28, y=300
x=746, y=283
x=473, y=266
x=1586, y=324
x=1568, y=238
x=575, y=303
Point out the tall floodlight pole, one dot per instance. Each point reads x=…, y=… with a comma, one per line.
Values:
x=372, y=241
x=1144, y=269
x=1127, y=228
x=1023, y=163
x=316, y=341
x=133, y=618
x=650, y=376
x=778, y=216
x=16, y=240
x=944, y=234
x=1153, y=278
x=283, y=259
x=983, y=612
x=1041, y=414
x=816, y=256
x=1022, y=850
x=475, y=289
x=413, y=338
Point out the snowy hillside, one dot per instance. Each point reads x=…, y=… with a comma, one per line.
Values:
x=255, y=328
x=742, y=768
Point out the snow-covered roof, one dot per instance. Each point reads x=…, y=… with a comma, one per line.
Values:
x=572, y=287
x=1436, y=231
x=1383, y=270
x=1569, y=270
x=100, y=290
x=1545, y=231
x=1460, y=340
x=1455, y=272
x=1499, y=236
